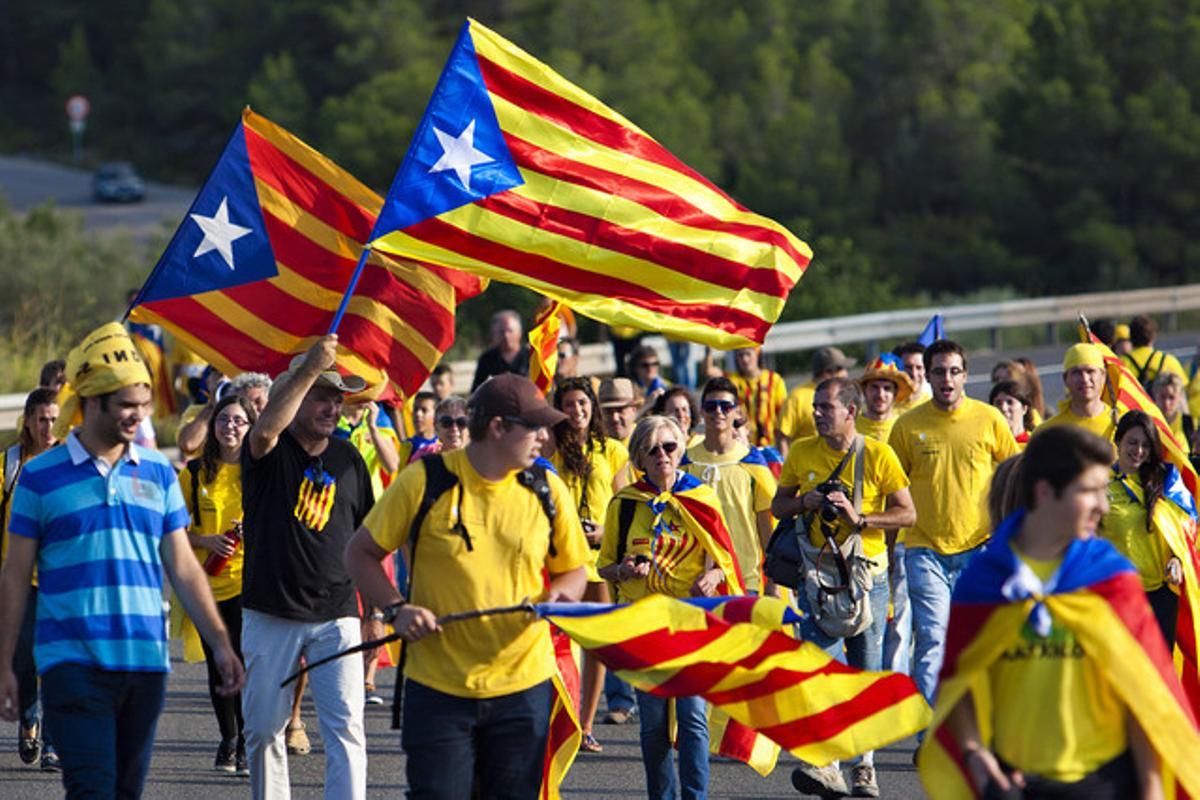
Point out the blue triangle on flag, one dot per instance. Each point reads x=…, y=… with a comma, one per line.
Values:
x=222, y=242
x=458, y=154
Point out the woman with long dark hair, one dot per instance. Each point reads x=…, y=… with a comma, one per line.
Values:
x=212, y=490
x=1143, y=521
x=592, y=466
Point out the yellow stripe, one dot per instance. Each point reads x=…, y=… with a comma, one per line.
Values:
x=318, y=164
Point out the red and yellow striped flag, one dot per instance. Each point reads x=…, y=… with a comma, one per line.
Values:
x=734, y=653
x=562, y=744
x=517, y=174
x=256, y=270
x=543, y=348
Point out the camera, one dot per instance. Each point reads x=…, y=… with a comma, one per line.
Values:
x=828, y=511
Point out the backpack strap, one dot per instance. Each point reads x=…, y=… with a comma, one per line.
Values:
x=534, y=479
x=12, y=468
x=624, y=523
x=438, y=481
x=859, y=468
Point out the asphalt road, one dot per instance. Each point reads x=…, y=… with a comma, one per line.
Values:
x=187, y=741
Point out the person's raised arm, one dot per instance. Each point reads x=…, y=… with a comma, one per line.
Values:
x=288, y=393
x=191, y=436
x=385, y=445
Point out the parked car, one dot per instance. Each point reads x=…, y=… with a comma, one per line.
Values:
x=118, y=182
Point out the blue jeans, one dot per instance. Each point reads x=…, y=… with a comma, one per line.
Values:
x=103, y=725
x=692, y=737
x=683, y=369
x=618, y=694
x=897, y=640
x=931, y=579
x=864, y=651
x=498, y=744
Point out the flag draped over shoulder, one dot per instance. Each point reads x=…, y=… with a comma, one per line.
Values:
x=258, y=267
x=1098, y=596
x=734, y=653
x=517, y=174
x=543, y=348
x=1126, y=393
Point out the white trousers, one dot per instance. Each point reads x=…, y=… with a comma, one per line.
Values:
x=272, y=647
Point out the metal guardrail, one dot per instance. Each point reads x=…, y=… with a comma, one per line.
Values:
x=786, y=337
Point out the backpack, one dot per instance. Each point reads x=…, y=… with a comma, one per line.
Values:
x=438, y=481
x=1143, y=370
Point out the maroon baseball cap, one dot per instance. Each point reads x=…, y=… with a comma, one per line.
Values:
x=513, y=396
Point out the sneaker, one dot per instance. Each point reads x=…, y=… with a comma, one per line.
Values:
x=862, y=781
x=373, y=697
x=50, y=762
x=226, y=760
x=618, y=716
x=297, y=740
x=825, y=782
x=29, y=744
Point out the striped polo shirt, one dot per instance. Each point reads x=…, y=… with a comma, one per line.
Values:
x=99, y=571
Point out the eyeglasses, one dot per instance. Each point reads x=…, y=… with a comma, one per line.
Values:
x=236, y=422
x=713, y=406
x=941, y=372
x=666, y=447
x=533, y=426
x=456, y=422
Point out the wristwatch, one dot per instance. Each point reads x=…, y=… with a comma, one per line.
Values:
x=388, y=615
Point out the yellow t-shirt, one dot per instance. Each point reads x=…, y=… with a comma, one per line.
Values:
x=1079, y=723
x=220, y=504
x=606, y=466
x=796, y=419
x=877, y=429
x=1154, y=361
x=950, y=457
x=763, y=400
x=676, y=557
x=745, y=490
x=1125, y=526
x=1102, y=424
x=510, y=546
x=812, y=460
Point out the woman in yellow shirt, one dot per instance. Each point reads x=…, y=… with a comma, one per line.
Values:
x=212, y=490
x=591, y=464
x=1142, y=519
x=1012, y=398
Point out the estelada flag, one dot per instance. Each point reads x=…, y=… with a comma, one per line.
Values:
x=260, y=263
x=733, y=652
x=149, y=341
x=1097, y=595
x=543, y=348
x=517, y=174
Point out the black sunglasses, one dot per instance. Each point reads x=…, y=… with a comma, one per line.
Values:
x=724, y=406
x=666, y=447
x=449, y=421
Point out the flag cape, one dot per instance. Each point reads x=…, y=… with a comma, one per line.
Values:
x=1126, y=394
x=517, y=174
x=733, y=652
x=260, y=263
x=1099, y=597
x=148, y=339
x=700, y=514
x=543, y=348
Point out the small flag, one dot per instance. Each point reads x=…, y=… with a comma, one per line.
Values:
x=543, y=344
x=934, y=331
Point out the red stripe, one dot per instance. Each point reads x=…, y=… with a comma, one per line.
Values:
x=535, y=99
x=739, y=609
x=966, y=621
x=651, y=649
x=737, y=741
x=884, y=693
x=775, y=681
x=320, y=199
x=700, y=264
x=575, y=280
x=701, y=677
x=238, y=347
x=711, y=519
x=670, y=205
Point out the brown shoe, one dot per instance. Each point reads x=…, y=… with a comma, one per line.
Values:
x=618, y=716
x=297, y=740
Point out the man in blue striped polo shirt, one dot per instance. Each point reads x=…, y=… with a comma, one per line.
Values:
x=101, y=517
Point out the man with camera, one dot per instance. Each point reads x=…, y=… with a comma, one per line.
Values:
x=843, y=490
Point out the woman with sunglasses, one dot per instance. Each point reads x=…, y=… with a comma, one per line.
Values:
x=665, y=534
x=1148, y=516
x=212, y=490
x=449, y=428
x=592, y=466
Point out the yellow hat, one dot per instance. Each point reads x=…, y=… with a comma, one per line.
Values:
x=1083, y=355
x=106, y=360
x=1120, y=332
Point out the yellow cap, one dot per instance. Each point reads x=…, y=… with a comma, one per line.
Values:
x=106, y=360
x=1083, y=355
x=1120, y=332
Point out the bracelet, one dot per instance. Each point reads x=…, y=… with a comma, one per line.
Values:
x=375, y=616
x=388, y=614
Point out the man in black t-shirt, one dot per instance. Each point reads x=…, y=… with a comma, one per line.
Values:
x=303, y=496
x=509, y=351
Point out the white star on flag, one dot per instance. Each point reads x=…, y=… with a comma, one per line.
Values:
x=459, y=154
x=219, y=233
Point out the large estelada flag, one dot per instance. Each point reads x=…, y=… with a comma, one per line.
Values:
x=517, y=174
x=1097, y=595
x=260, y=263
x=734, y=653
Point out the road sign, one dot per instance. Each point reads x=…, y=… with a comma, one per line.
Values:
x=78, y=108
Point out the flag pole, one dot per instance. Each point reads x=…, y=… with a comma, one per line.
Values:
x=358, y=268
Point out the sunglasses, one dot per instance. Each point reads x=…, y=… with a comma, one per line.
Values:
x=666, y=447
x=455, y=422
x=532, y=426
x=647, y=364
x=713, y=406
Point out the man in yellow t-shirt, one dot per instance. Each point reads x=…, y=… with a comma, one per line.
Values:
x=1144, y=360
x=480, y=687
x=796, y=418
x=762, y=394
x=949, y=447
x=885, y=505
x=1084, y=377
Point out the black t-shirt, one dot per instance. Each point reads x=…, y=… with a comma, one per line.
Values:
x=492, y=363
x=299, y=512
